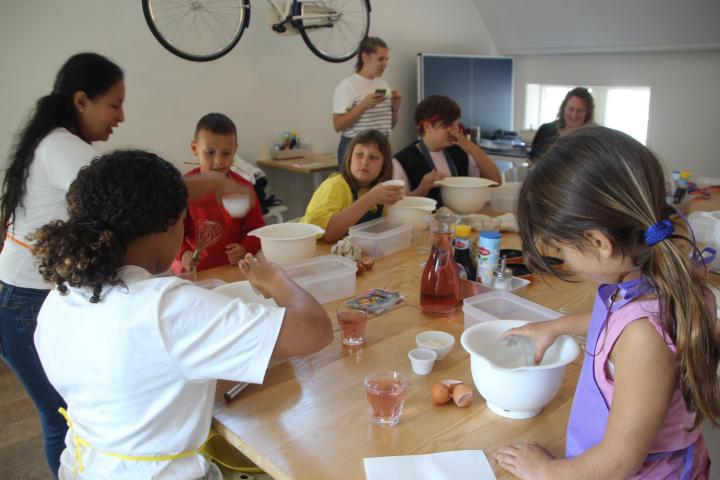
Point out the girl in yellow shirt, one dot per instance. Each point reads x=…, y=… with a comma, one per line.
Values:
x=357, y=194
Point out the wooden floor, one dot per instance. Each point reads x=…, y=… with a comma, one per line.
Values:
x=21, y=450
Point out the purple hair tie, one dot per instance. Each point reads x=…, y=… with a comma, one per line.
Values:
x=658, y=232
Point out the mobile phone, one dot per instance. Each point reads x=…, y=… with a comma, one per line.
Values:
x=380, y=91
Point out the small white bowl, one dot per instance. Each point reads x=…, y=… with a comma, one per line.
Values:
x=422, y=360
x=413, y=210
x=394, y=183
x=236, y=205
x=441, y=342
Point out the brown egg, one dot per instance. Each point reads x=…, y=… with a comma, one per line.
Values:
x=462, y=395
x=440, y=394
x=450, y=384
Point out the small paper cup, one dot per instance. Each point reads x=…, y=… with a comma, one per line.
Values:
x=394, y=183
x=422, y=360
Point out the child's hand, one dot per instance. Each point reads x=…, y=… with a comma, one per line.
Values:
x=235, y=252
x=386, y=194
x=428, y=181
x=457, y=137
x=261, y=274
x=187, y=260
x=541, y=333
x=371, y=100
x=524, y=460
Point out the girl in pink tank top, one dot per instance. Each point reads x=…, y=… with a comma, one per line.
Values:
x=649, y=370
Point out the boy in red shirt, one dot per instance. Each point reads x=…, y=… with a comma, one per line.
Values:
x=215, y=144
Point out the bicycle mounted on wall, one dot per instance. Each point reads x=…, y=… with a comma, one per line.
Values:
x=204, y=30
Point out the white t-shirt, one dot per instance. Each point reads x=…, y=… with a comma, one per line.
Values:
x=441, y=165
x=351, y=91
x=56, y=162
x=138, y=369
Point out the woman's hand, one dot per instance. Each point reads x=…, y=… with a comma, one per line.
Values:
x=371, y=100
x=395, y=99
x=382, y=194
x=542, y=334
x=263, y=275
x=524, y=460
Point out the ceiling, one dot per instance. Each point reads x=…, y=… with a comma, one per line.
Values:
x=521, y=27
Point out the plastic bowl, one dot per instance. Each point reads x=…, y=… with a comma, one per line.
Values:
x=515, y=392
x=413, y=210
x=465, y=194
x=287, y=242
x=440, y=342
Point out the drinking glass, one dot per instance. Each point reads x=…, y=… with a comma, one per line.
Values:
x=352, y=323
x=385, y=394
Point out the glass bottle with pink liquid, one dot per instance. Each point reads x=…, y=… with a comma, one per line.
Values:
x=439, y=285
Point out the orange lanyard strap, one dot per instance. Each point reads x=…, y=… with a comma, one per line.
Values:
x=17, y=240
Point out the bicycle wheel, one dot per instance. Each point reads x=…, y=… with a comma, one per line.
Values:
x=334, y=36
x=197, y=30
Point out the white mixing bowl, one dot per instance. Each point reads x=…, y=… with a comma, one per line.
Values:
x=287, y=242
x=413, y=210
x=465, y=194
x=515, y=392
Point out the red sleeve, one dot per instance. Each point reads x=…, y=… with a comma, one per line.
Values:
x=188, y=242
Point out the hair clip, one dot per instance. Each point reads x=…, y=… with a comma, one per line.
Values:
x=658, y=232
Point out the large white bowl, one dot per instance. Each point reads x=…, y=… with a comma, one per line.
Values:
x=515, y=392
x=465, y=194
x=245, y=292
x=287, y=242
x=413, y=210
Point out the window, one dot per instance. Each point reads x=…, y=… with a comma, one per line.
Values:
x=622, y=108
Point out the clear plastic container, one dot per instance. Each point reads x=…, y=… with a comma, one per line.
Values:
x=327, y=277
x=381, y=237
x=502, y=305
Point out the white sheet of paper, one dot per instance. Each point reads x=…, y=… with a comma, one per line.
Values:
x=434, y=466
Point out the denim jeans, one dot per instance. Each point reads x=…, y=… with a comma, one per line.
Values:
x=344, y=141
x=19, y=308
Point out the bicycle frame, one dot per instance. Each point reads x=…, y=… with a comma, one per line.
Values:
x=293, y=6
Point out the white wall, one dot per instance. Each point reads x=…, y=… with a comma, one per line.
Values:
x=684, y=99
x=267, y=84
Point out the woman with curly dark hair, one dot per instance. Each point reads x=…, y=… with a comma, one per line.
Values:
x=135, y=355
x=85, y=104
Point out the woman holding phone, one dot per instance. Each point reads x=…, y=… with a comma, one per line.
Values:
x=364, y=101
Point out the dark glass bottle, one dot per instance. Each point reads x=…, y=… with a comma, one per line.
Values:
x=463, y=255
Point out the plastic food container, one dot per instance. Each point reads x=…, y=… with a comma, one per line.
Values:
x=287, y=242
x=382, y=236
x=503, y=305
x=327, y=277
x=706, y=227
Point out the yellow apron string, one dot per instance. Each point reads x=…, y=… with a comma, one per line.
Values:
x=80, y=443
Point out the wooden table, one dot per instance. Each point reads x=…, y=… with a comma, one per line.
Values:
x=315, y=165
x=309, y=419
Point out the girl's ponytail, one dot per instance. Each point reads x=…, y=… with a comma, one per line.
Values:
x=688, y=316
x=78, y=253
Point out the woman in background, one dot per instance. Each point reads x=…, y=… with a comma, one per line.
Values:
x=576, y=110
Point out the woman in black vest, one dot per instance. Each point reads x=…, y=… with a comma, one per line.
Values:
x=442, y=150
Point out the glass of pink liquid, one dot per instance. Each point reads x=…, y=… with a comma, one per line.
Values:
x=385, y=394
x=352, y=323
